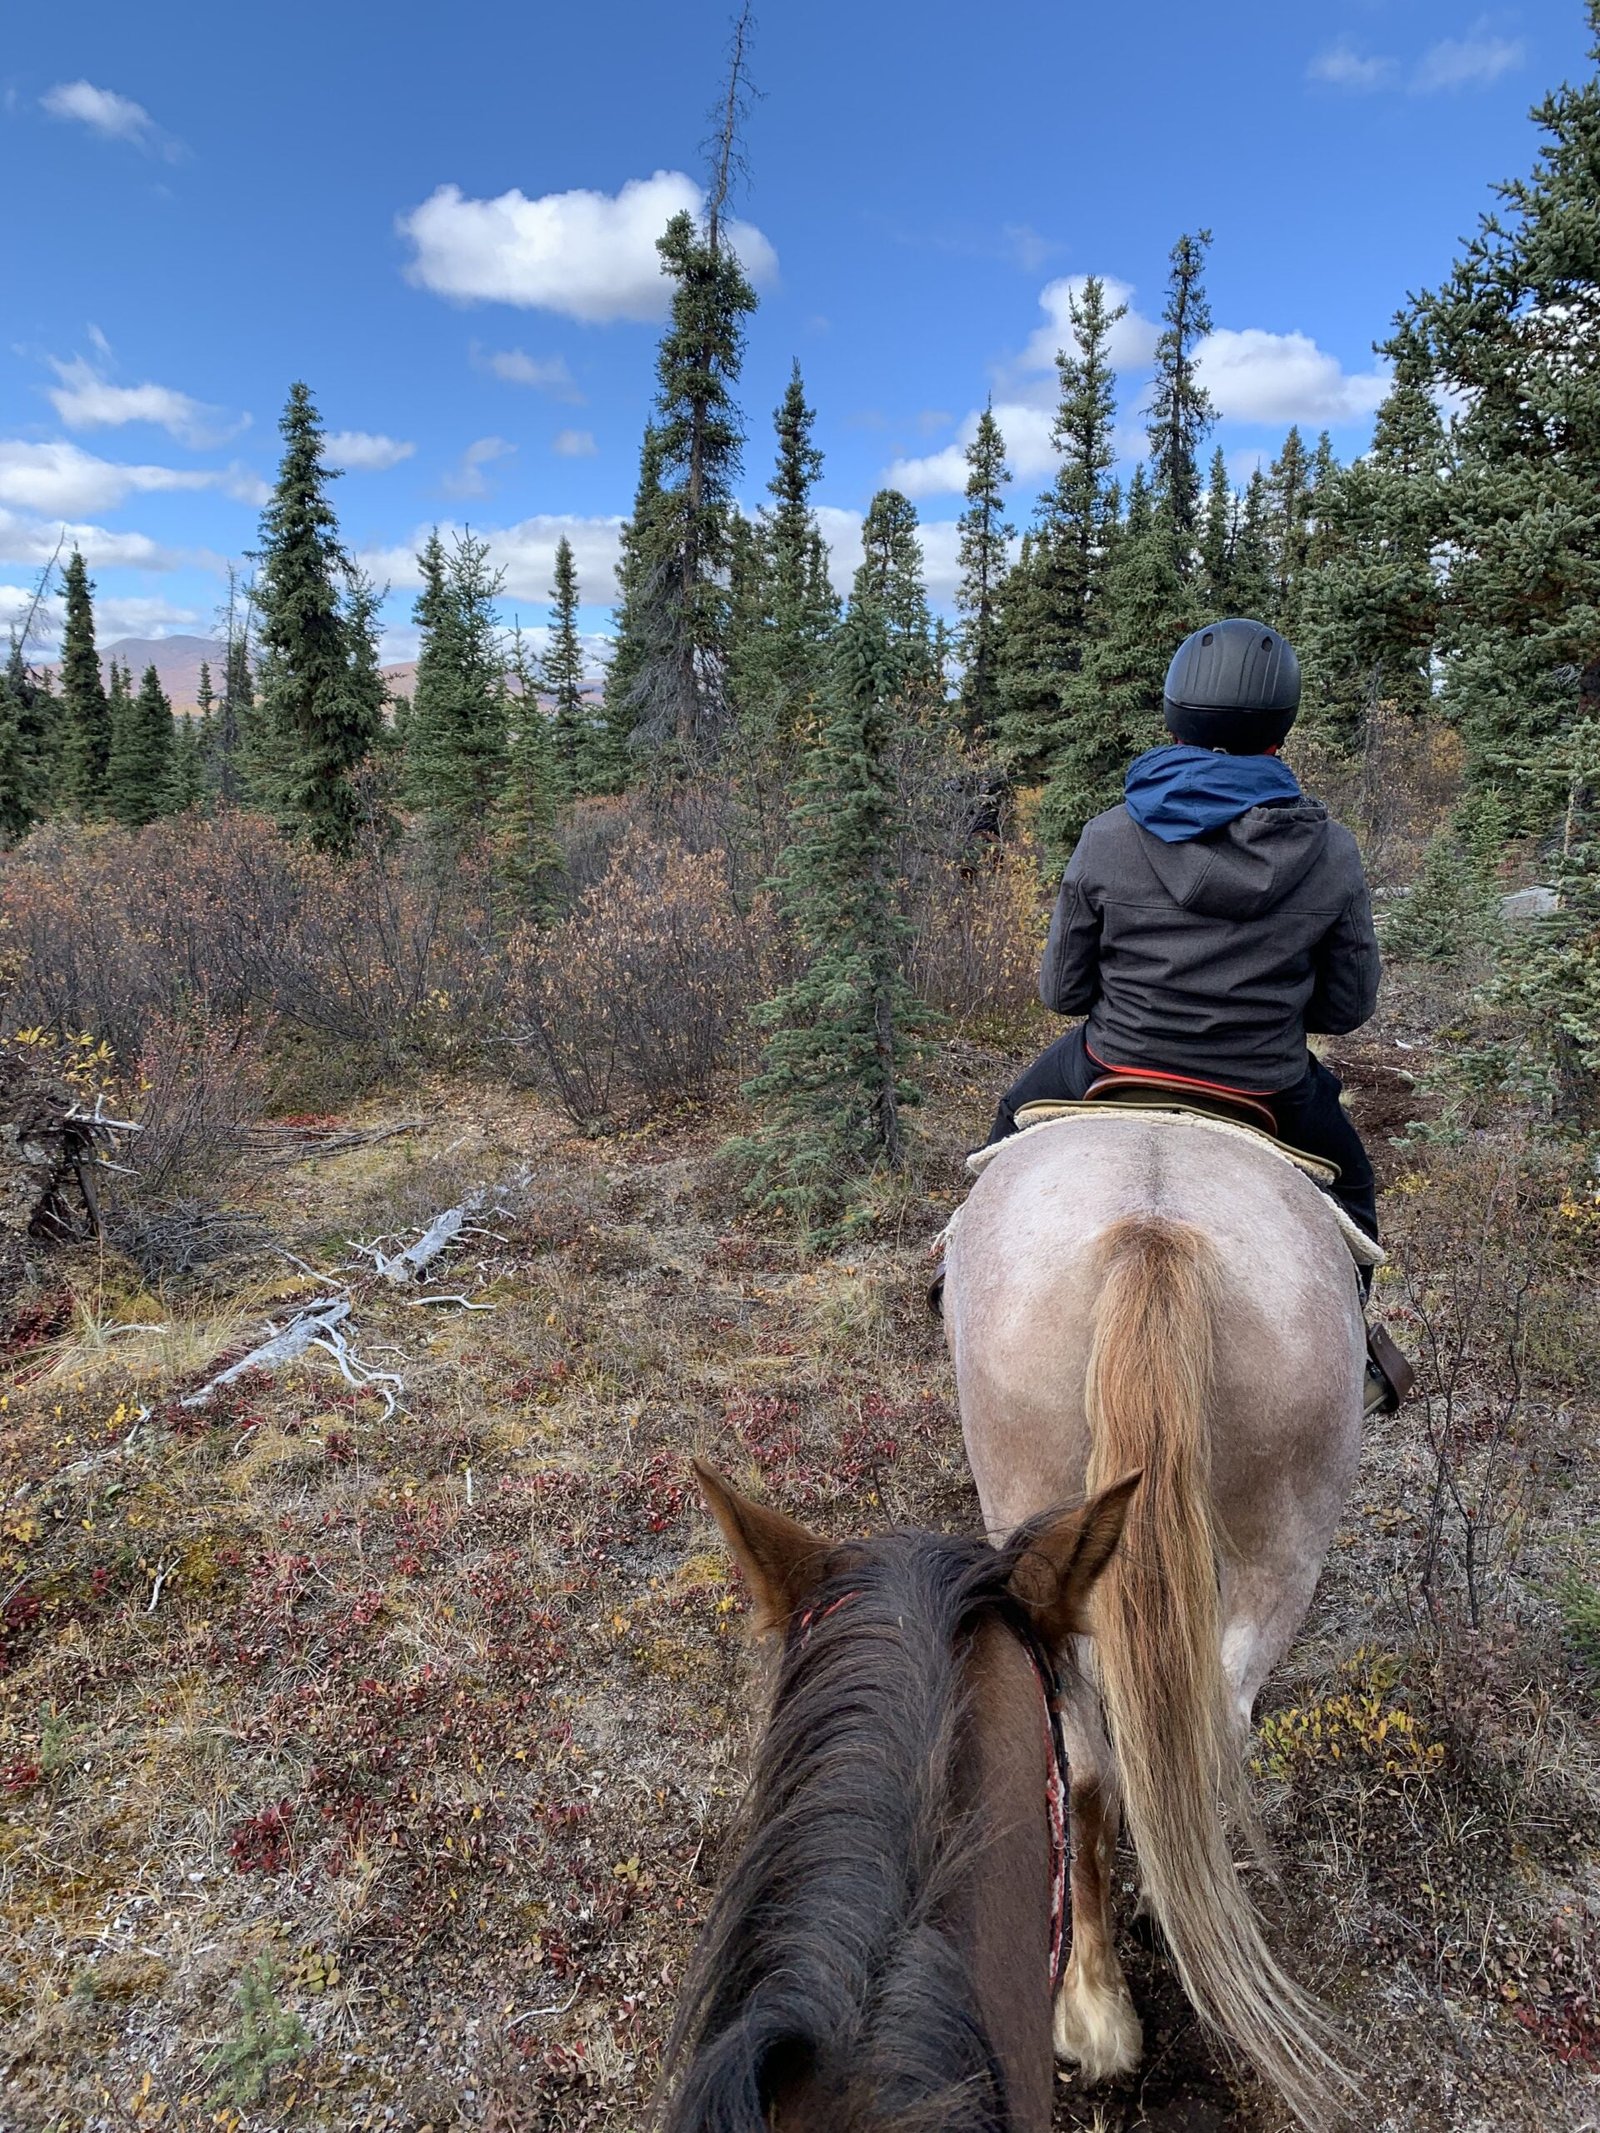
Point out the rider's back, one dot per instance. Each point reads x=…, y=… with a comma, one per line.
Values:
x=1214, y=954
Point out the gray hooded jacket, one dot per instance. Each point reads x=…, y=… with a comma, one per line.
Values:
x=1215, y=956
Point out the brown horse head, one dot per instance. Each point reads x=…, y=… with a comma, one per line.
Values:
x=879, y=1954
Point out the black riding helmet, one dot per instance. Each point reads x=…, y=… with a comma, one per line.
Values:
x=1233, y=685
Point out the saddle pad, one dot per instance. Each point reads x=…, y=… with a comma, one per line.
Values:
x=1039, y=1118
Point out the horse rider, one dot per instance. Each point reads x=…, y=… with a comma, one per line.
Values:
x=1212, y=919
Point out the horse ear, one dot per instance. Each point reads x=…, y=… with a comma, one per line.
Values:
x=781, y=1561
x=1063, y=1557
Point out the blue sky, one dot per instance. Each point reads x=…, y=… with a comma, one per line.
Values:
x=442, y=220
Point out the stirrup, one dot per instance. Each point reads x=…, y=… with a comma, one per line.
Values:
x=1390, y=1377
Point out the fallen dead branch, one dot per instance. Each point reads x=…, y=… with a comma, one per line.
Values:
x=441, y=1232
x=319, y=1325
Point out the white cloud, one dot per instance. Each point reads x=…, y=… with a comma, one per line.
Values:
x=1343, y=67
x=544, y=373
x=31, y=542
x=1467, y=62
x=1255, y=376
x=360, y=452
x=466, y=477
x=138, y=615
x=526, y=552
x=575, y=444
x=117, y=118
x=1132, y=341
x=59, y=478
x=590, y=255
x=86, y=399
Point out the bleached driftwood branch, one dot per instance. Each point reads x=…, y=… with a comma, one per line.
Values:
x=442, y=1231
x=287, y=1345
x=319, y=1325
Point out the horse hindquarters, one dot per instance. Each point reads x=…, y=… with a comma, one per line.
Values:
x=1148, y=1398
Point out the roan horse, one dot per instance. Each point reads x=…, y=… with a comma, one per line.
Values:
x=880, y=1953
x=1130, y=1292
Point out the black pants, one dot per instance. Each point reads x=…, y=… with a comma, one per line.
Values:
x=1309, y=1115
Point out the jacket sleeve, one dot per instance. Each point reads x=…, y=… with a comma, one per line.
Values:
x=1069, y=978
x=1347, y=969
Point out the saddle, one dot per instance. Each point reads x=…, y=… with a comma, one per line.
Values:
x=1131, y=1089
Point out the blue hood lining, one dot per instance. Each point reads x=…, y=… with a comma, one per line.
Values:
x=1179, y=792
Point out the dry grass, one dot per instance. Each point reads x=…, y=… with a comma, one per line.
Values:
x=383, y=1767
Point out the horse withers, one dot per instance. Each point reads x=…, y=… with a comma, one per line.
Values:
x=880, y=1953
x=1126, y=1292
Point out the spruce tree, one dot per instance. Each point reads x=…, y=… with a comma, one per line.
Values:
x=319, y=714
x=1180, y=408
x=86, y=712
x=783, y=604
x=642, y=565
x=1289, y=501
x=889, y=581
x=456, y=739
x=186, y=776
x=1048, y=611
x=573, y=735
x=678, y=691
x=983, y=558
x=1373, y=601
x=1113, y=707
x=841, y=1037
x=139, y=777
x=30, y=743
x=525, y=815
x=1510, y=337
x=1216, y=539
x=1250, y=564
x=235, y=707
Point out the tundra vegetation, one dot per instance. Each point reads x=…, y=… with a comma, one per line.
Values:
x=372, y=1721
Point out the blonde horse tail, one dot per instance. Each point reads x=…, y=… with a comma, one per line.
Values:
x=1157, y=1640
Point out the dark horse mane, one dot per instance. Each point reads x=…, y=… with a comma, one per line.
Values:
x=825, y=1952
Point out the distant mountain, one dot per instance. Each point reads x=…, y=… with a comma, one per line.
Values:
x=176, y=659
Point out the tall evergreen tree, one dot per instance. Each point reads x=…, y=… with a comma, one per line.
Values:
x=1216, y=539
x=889, y=577
x=840, y=1043
x=235, y=711
x=1251, y=561
x=983, y=558
x=1180, y=408
x=1373, y=601
x=456, y=740
x=1289, y=500
x=30, y=743
x=139, y=783
x=679, y=690
x=678, y=687
x=86, y=712
x=186, y=772
x=641, y=570
x=525, y=815
x=1113, y=707
x=320, y=715
x=1048, y=610
x=785, y=606
x=1512, y=336
x=573, y=735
